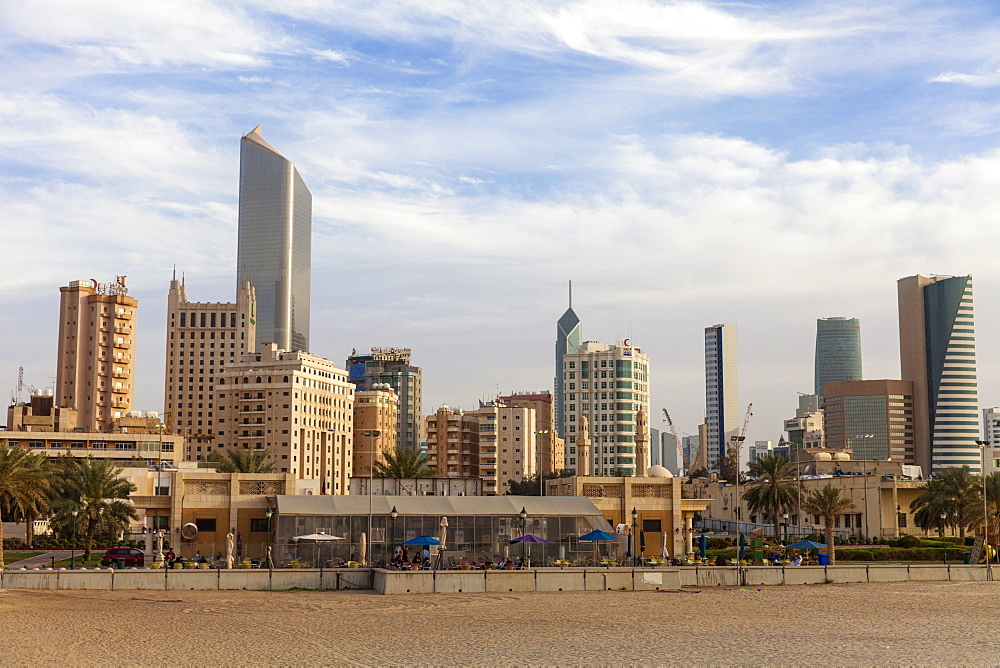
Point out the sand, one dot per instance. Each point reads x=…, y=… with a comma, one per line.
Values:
x=862, y=624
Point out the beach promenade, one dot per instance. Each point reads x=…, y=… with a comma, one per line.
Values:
x=834, y=624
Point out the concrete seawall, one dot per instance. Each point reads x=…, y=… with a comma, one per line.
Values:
x=442, y=582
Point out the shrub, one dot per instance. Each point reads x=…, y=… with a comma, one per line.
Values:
x=907, y=542
x=717, y=544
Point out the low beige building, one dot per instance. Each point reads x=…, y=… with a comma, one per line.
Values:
x=877, y=489
x=210, y=504
x=660, y=508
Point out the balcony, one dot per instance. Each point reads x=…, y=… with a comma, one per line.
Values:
x=122, y=344
x=120, y=374
x=120, y=390
x=121, y=316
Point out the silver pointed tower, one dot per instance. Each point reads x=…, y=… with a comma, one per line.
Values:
x=567, y=341
x=275, y=242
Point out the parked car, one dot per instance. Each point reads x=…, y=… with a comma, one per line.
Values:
x=129, y=555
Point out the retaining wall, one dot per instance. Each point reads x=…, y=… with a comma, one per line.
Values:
x=167, y=579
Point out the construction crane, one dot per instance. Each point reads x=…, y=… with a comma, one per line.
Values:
x=682, y=459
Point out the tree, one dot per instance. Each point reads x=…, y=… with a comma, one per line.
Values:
x=96, y=489
x=24, y=484
x=993, y=504
x=771, y=489
x=727, y=467
x=241, y=461
x=828, y=504
x=954, y=491
x=404, y=464
x=529, y=485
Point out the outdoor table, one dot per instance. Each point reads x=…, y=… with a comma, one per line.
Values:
x=561, y=562
x=352, y=564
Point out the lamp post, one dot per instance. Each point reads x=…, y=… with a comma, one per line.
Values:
x=268, y=513
x=72, y=552
x=944, y=548
x=635, y=536
x=737, y=443
x=986, y=513
x=393, y=514
x=524, y=527
x=899, y=511
x=372, y=435
x=784, y=516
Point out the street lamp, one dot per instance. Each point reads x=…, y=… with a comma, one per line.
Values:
x=899, y=511
x=986, y=513
x=784, y=516
x=372, y=435
x=72, y=552
x=635, y=536
x=737, y=443
x=944, y=547
x=268, y=513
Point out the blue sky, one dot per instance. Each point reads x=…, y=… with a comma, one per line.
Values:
x=684, y=163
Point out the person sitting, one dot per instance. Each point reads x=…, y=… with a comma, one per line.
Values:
x=797, y=561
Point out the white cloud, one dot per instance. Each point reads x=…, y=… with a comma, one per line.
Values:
x=330, y=55
x=988, y=80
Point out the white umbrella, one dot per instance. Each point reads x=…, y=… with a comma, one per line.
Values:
x=319, y=536
x=363, y=549
x=444, y=532
x=663, y=548
x=159, y=547
x=229, y=551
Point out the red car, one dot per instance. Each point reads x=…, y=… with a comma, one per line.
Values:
x=127, y=555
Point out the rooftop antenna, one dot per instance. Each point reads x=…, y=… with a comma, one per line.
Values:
x=571, y=294
x=174, y=278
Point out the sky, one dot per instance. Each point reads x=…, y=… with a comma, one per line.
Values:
x=683, y=163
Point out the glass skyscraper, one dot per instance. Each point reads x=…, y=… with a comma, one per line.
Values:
x=721, y=400
x=567, y=342
x=275, y=242
x=937, y=346
x=838, y=351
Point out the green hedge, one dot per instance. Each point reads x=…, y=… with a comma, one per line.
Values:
x=899, y=554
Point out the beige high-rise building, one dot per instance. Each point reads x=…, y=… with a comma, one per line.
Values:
x=96, y=352
x=507, y=445
x=296, y=406
x=376, y=412
x=551, y=448
x=453, y=443
x=203, y=338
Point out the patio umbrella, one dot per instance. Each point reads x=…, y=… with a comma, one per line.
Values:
x=703, y=546
x=642, y=543
x=444, y=532
x=159, y=547
x=229, y=551
x=423, y=539
x=239, y=544
x=363, y=549
x=663, y=547
x=320, y=536
x=806, y=545
x=596, y=536
x=528, y=538
x=743, y=546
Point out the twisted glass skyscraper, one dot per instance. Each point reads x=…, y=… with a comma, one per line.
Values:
x=567, y=342
x=838, y=351
x=275, y=242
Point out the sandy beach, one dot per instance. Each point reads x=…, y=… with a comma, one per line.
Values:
x=864, y=624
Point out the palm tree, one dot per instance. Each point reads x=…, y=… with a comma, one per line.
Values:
x=24, y=484
x=956, y=492
x=97, y=490
x=404, y=464
x=771, y=489
x=993, y=503
x=828, y=504
x=242, y=461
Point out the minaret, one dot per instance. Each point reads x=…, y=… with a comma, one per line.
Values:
x=641, y=443
x=583, y=466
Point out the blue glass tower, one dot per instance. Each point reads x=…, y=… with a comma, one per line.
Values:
x=568, y=335
x=838, y=351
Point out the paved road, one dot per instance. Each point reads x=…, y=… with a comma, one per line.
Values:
x=43, y=559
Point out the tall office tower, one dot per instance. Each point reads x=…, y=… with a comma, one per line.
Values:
x=610, y=385
x=392, y=366
x=202, y=339
x=96, y=352
x=297, y=407
x=375, y=421
x=871, y=418
x=937, y=349
x=551, y=449
x=567, y=342
x=721, y=399
x=453, y=440
x=507, y=445
x=274, y=251
x=692, y=446
x=838, y=351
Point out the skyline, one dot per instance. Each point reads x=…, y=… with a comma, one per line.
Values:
x=683, y=164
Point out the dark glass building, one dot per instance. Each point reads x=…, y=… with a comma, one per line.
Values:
x=275, y=242
x=568, y=334
x=838, y=351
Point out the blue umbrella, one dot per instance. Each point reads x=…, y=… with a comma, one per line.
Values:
x=422, y=540
x=743, y=546
x=806, y=545
x=596, y=534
